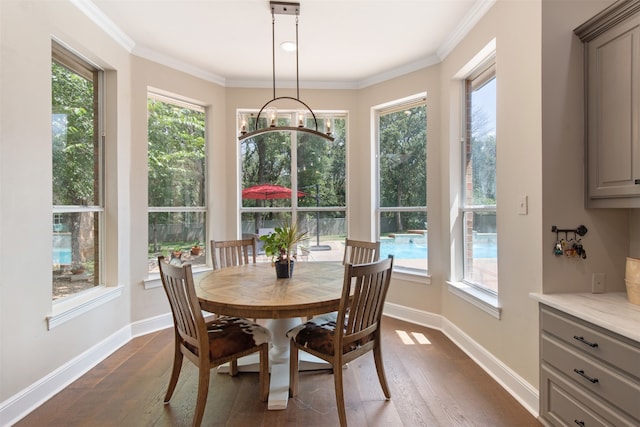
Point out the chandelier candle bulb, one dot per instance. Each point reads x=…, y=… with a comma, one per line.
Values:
x=271, y=115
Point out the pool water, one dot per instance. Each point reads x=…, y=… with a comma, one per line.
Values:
x=61, y=256
x=412, y=250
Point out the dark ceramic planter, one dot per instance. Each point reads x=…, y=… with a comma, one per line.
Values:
x=284, y=270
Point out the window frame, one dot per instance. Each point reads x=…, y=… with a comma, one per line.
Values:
x=294, y=209
x=477, y=79
x=75, y=64
x=395, y=106
x=179, y=101
x=474, y=295
x=66, y=309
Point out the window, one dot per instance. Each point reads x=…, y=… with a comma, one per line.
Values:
x=402, y=183
x=312, y=170
x=479, y=231
x=77, y=166
x=177, y=181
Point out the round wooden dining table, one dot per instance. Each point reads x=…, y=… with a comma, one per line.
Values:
x=253, y=291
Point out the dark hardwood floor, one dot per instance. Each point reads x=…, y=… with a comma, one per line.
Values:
x=432, y=384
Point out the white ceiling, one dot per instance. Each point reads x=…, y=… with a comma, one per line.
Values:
x=343, y=44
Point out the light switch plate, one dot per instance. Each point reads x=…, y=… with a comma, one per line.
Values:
x=523, y=208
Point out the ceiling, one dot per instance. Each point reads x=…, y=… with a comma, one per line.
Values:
x=342, y=44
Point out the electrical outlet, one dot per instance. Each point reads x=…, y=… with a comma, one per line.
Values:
x=597, y=283
x=523, y=207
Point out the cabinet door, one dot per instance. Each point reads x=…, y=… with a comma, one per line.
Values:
x=613, y=95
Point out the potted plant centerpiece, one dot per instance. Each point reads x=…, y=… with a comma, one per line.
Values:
x=280, y=245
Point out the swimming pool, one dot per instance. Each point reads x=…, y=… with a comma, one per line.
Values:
x=61, y=256
x=416, y=250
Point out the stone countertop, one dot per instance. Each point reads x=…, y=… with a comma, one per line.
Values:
x=611, y=311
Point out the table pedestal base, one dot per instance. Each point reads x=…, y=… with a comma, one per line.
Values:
x=279, y=362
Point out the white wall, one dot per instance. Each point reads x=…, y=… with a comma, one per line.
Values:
x=515, y=26
x=29, y=351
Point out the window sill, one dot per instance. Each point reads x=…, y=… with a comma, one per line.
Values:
x=486, y=302
x=73, y=306
x=408, y=275
x=153, y=281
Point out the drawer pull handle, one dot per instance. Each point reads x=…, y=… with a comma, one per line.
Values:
x=580, y=423
x=582, y=374
x=582, y=340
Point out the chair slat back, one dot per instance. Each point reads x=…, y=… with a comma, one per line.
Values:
x=364, y=292
x=360, y=252
x=178, y=284
x=229, y=253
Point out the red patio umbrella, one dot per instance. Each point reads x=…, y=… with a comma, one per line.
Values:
x=268, y=191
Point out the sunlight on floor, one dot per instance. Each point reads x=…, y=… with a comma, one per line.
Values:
x=418, y=338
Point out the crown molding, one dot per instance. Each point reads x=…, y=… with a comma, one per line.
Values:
x=107, y=25
x=176, y=64
x=480, y=8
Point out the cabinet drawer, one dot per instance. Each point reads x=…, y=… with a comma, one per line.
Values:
x=567, y=405
x=591, y=375
x=589, y=339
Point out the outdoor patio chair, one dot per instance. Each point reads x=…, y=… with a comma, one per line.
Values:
x=208, y=344
x=363, y=294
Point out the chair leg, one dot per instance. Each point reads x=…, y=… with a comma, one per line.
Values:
x=264, y=372
x=377, y=357
x=293, y=370
x=203, y=391
x=337, y=378
x=175, y=373
x=233, y=367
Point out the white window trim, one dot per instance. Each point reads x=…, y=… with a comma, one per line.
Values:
x=475, y=296
x=69, y=308
x=153, y=279
x=484, y=300
x=411, y=275
x=72, y=306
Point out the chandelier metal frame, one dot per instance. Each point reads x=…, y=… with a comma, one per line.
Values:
x=284, y=8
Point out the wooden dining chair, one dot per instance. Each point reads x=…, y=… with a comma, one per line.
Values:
x=229, y=253
x=360, y=252
x=363, y=294
x=208, y=344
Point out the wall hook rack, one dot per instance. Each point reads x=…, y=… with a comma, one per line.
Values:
x=569, y=246
x=580, y=231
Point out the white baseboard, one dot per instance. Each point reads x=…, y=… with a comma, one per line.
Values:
x=151, y=324
x=21, y=404
x=526, y=394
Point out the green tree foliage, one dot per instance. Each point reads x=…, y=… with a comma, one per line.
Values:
x=266, y=159
x=403, y=167
x=176, y=155
x=75, y=154
x=73, y=137
x=483, y=159
x=176, y=162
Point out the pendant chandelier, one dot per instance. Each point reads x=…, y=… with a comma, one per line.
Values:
x=284, y=8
